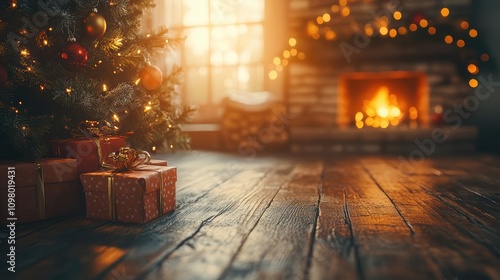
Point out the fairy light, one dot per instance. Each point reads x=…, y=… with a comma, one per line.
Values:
x=445, y=12
x=330, y=35
x=402, y=30
x=286, y=53
x=432, y=30
x=327, y=17
x=104, y=87
x=335, y=8
x=413, y=27
x=42, y=87
x=273, y=74
x=473, y=33
x=383, y=30
x=397, y=15
x=147, y=108
x=171, y=146
x=473, y=83
x=292, y=42
x=293, y=52
x=424, y=23
x=25, y=53
x=342, y=2
x=277, y=61
x=68, y=91
x=14, y=4
x=153, y=148
x=464, y=25
x=346, y=11
x=116, y=118
x=320, y=20
x=485, y=57
x=393, y=33
x=448, y=39
x=137, y=81
x=301, y=56
x=460, y=43
x=473, y=69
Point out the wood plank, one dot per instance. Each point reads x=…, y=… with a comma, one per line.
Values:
x=279, y=246
x=159, y=243
x=103, y=239
x=362, y=233
x=449, y=238
x=212, y=248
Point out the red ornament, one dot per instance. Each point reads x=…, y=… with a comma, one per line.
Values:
x=417, y=17
x=73, y=56
x=151, y=77
x=3, y=76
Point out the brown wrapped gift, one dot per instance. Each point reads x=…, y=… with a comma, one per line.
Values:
x=89, y=152
x=44, y=189
x=135, y=196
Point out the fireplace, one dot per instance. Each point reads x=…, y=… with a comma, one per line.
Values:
x=383, y=99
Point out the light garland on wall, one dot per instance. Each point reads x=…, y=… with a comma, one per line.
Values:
x=316, y=29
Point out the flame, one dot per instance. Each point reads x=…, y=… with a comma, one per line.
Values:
x=381, y=111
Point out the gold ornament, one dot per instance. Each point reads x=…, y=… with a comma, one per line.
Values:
x=95, y=25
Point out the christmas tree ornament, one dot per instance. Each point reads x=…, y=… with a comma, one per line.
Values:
x=95, y=25
x=73, y=56
x=151, y=77
x=3, y=76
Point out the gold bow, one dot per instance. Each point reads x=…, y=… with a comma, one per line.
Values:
x=125, y=159
x=89, y=129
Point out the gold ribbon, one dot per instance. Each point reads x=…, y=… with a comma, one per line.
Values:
x=111, y=197
x=40, y=191
x=125, y=159
x=161, y=193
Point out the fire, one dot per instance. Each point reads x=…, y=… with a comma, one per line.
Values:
x=382, y=111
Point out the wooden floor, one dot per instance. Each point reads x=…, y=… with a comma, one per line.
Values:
x=282, y=217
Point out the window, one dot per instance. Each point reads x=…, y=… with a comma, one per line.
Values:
x=224, y=48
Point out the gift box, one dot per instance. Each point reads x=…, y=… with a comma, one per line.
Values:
x=134, y=196
x=40, y=190
x=88, y=152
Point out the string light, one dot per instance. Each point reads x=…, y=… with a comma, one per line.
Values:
x=473, y=33
x=424, y=23
x=383, y=30
x=402, y=30
x=398, y=15
x=104, y=87
x=335, y=8
x=393, y=33
x=464, y=25
x=326, y=17
x=292, y=42
x=460, y=43
x=153, y=148
x=473, y=83
x=25, y=53
x=485, y=57
x=432, y=30
x=116, y=118
x=413, y=27
x=473, y=69
x=445, y=12
x=346, y=11
x=68, y=91
x=273, y=75
x=448, y=39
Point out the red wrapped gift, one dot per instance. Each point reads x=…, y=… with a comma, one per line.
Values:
x=135, y=196
x=88, y=152
x=44, y=189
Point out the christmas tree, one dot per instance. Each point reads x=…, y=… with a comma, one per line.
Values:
x=69, y=64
